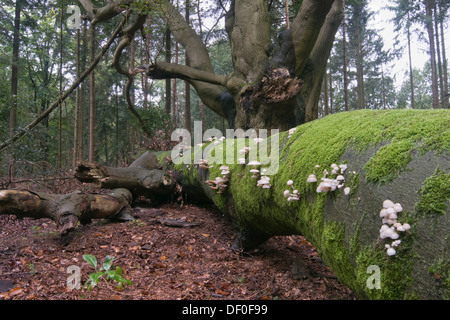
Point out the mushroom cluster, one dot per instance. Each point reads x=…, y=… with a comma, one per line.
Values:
x=220, y=183
x=264, y=182
x=291, y=196
x=203, y=164
x=391, y=227
x=330, y=184
x=254, y=169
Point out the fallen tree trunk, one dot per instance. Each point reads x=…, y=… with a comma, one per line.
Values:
x=402, y=156
x=67, y=209
x=359, y=160
x=155, y=184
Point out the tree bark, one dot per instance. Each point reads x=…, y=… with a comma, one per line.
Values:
x=154, y=184
x=431, y=42
x=66, y=209
x=92, y=95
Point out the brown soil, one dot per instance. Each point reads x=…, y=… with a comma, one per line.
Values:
x=163, y=262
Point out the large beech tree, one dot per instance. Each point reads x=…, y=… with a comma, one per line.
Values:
x=273, y=85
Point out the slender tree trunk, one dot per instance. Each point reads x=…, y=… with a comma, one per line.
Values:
x=187, y=88
x=325, y=94
x=92, y=97
x=60, y=89
x=411, y=75
x=286, y=9
x=446, y=101
x=175, y=92
x=132, y=64
x=78, y=112
x=359, y=69
x=383, y=86
x=147, y=60
x=344, y=64
x=331, y=92
x=430, y=30
x=14, y=81
x=438, y=53
x=168, y=97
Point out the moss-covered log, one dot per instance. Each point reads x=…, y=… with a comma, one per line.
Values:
x=66, y=209
x=402, y=156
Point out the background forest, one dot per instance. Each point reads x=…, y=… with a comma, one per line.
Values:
x=41, y=56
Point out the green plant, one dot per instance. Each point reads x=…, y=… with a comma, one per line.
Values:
x=106, y=269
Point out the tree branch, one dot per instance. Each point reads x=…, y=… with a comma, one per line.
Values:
x=112, y=9
x=164, y=70
x=306, y=28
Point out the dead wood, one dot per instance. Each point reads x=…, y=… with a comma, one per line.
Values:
x=66, y=209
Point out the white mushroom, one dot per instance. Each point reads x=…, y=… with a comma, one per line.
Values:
x=254, y=163
x=398, y=207
x=391, y=251
x=311, y=178
x=388, y=204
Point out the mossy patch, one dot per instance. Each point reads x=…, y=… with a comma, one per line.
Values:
x=441, y=272
x=434, y=194
x=389, y=161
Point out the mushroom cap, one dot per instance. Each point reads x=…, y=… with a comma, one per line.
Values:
x=224, y=167
x=254, y=163
x=346, y=191
x=340, y=178
x=398, y=207
x=391, y=251
x=286, y=193
x=311, y=178
x=220, y=180
x=388, y=204
x=254, y=170
x=290, y=182
x=224, y=172
x=406, y=226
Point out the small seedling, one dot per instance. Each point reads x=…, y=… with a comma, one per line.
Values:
x=106, y=269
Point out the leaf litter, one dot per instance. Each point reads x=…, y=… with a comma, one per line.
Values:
x=171, y=252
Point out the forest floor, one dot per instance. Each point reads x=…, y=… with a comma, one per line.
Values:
x=162, y=262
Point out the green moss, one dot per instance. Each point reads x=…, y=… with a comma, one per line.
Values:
x=335, y=252
x=389, y=161
x=434, y=194
x=395, y=273
x=441, y=272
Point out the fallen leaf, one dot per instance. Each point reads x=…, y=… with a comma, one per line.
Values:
x=223, y=293
x=15, y=291
x=206, y=235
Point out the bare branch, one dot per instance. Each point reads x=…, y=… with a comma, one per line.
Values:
x=112, y=9
x=164, y=70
